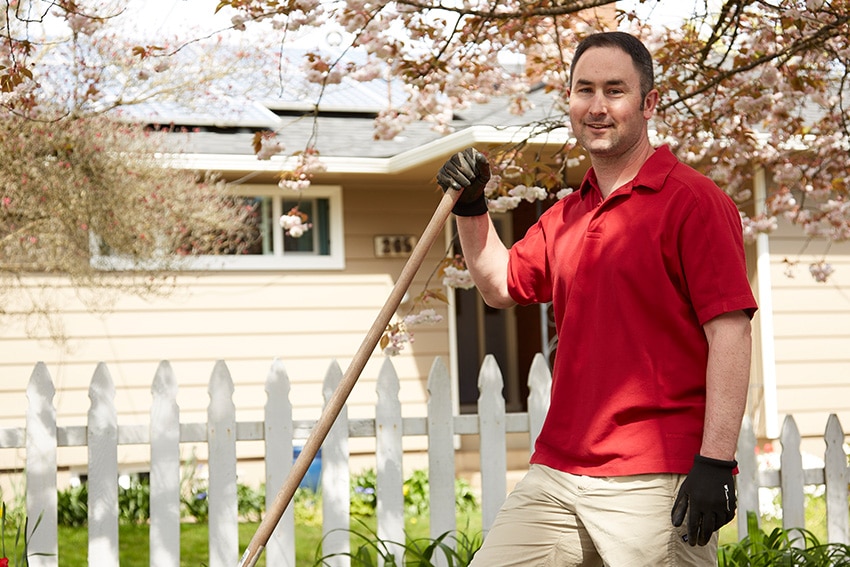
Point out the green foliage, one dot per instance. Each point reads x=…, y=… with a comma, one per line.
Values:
x=466, y=500
x=307, y=508
x=369, y=550
x=72, y=506
x=17, y=552
x=364, y=497
x=196, y=504
x=251, y=502
x=134, y=502
x=416, y=494
x=792, y=547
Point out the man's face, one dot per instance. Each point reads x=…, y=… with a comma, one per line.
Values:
x=607, y=112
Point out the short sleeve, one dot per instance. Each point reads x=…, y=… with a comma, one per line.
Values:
x=529, y=277
x=713, y=258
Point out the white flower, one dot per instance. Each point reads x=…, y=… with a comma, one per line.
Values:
x=503, y=204
x=424, y=317
x=288, y=221
x=530, y=194
x=563, y=192
x=294, y=184
x=294, y=225
x=457, y=278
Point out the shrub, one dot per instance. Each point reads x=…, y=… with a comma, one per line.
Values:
x=251, y=502
x=307, y=507
x=134, y=502
x=416, y=494
x=72, y=506
x=372, y=551
x=795, y=546
x=364, y=497
x=195, y=504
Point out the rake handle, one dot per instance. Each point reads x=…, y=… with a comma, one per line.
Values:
x=343, y=390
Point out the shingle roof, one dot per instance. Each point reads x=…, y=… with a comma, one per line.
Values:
x=224, y=125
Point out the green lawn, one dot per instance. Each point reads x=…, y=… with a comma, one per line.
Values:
x=133, y=543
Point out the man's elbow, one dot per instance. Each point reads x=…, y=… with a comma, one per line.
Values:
x=498, y=300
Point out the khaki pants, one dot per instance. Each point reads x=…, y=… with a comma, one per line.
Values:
x=555, y=519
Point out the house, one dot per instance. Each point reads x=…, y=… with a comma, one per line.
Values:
x=309, y=302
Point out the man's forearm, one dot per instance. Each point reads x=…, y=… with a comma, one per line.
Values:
x=727, y=383
x=487, y=259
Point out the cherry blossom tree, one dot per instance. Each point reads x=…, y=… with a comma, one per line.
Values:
x=744, y=84
x=80, y=181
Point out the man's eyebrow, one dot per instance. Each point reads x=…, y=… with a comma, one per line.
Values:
x=610, y=82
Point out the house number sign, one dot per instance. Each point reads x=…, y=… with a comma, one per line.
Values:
x=394, y=245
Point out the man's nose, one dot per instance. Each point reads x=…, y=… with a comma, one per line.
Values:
x=598, y=105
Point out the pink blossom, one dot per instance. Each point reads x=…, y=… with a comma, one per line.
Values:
x=821, y=271
x=269, y=146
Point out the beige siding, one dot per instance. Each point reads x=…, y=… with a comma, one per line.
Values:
x=812, y=331
x=307, y=319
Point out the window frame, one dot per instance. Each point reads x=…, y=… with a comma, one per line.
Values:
x=279, y=259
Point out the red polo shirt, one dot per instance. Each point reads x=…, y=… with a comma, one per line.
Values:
x=632, y=279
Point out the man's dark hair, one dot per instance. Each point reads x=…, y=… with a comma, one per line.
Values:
x=628, y=43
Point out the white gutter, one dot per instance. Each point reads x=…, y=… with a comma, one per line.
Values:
x=434, y=150
x=766, y=329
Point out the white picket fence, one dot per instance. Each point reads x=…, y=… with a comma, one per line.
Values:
x=41, y=437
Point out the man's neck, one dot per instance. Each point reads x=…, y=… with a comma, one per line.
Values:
x=613, y=173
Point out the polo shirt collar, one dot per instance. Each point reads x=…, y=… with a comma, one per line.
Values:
x=651, y=175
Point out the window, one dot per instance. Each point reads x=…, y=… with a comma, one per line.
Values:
x=320, y=248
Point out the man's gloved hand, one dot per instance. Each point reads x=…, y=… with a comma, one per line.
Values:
x=708, y=497
x=467, y=170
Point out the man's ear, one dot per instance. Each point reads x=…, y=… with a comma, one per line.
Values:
x=649, y=103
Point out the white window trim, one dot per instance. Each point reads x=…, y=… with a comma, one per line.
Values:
x=252, y=262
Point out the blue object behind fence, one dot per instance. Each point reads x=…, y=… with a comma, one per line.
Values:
x=314, y=471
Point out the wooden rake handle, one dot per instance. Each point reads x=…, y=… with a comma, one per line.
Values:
x=337, y=401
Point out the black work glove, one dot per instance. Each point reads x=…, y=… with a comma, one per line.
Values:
x=708, y=497
x=467, y=170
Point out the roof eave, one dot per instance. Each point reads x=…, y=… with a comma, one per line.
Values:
x=434, y=150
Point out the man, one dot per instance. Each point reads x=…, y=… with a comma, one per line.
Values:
x=645, y=268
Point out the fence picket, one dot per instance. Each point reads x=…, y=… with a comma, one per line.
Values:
x=221, y=431
x=388, y=449
x=539, y=394
x=165, y=469
x=491, y=415
x=336, y=503
x=791, y=476
x=280, y=549
x=102, y=437
x=441, y=455
x=747, y=479
x=836, y=479
x=41, y=467
x=41, y=437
